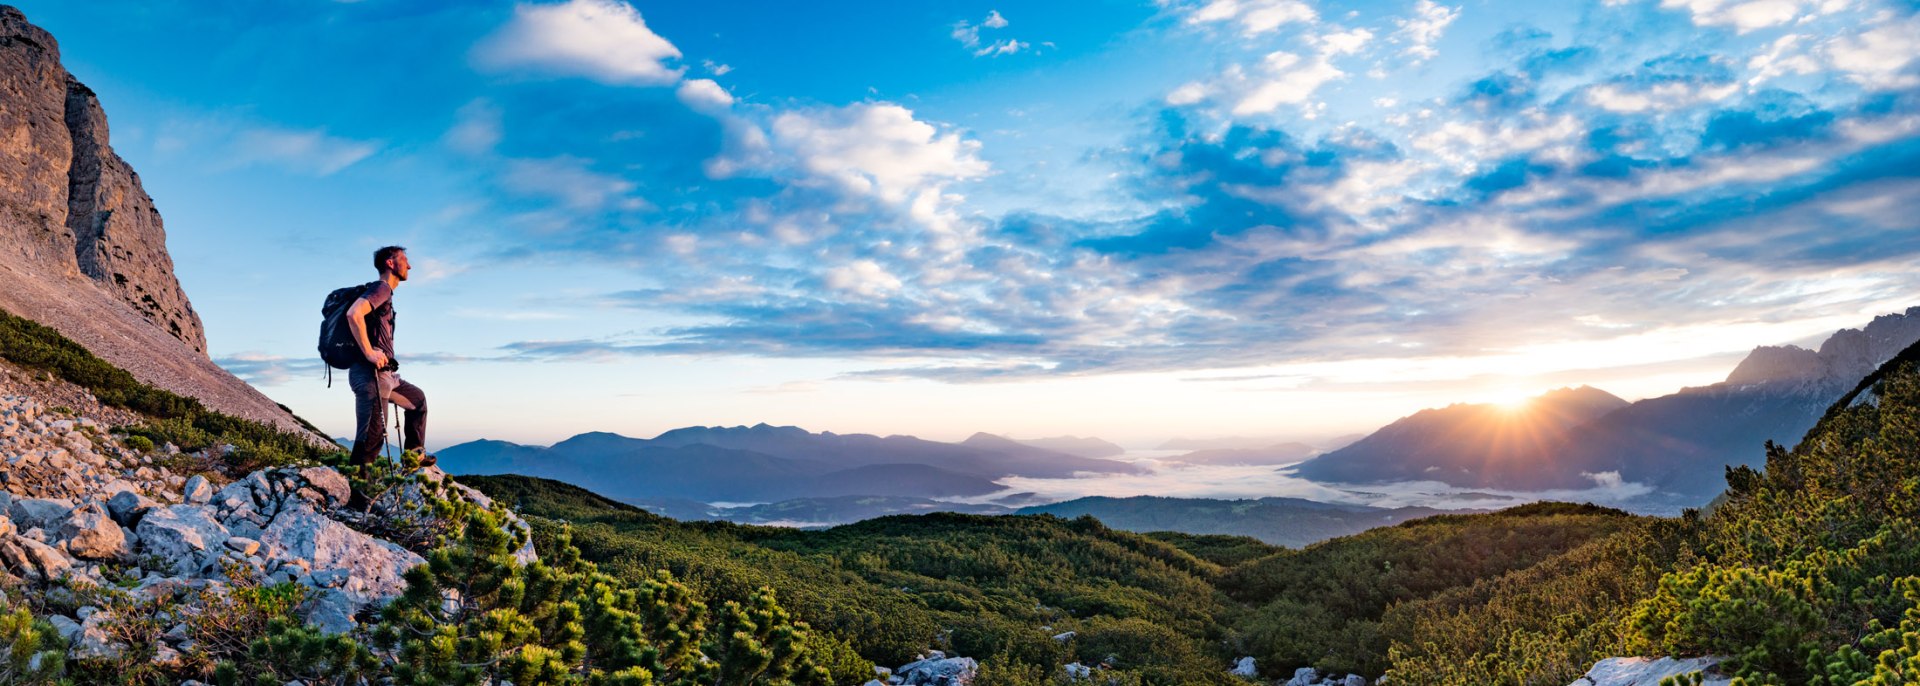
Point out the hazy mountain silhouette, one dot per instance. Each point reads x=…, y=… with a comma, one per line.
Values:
x=1473, y=445
x=769, y=463
x=1075, y=445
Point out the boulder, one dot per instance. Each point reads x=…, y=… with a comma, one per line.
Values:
x=127, y=506
x=1304, y=676
x=38, y=513
x=94, y=641
x=179, y=533
x=331, y=487
x=1647, y=671
x=33, y=559
x=940, y=671
x=374, y=567
x=92, y=535
x=1243, y=667
x=197, y=490
x=331, y=611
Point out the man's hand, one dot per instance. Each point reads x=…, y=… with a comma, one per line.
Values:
x=379, y=359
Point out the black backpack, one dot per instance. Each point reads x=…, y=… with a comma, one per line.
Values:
x=337, y=345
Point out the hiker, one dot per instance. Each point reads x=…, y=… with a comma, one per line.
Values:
x=374, y=379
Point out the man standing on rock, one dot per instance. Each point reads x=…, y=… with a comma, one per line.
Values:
x=375, y=381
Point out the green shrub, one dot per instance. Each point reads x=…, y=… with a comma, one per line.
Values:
x=175, y=419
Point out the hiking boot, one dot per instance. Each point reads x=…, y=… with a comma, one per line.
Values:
x=428, y=461
x=359, y=502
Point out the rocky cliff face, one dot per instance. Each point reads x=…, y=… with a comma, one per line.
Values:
x=82, y=248
x=73, y=206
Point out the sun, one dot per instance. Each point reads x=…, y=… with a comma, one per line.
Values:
x=1510, y=400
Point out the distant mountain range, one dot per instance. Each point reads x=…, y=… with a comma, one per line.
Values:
x=775, y=463
x=1679, y=444
x=1475, y=445
x=1278, y=521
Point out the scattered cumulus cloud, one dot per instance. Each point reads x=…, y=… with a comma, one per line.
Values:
x=876, y=148
x=1254, y=17
x=603, y=40
x=1419, y=31
x=968, y=35
x=704, y=95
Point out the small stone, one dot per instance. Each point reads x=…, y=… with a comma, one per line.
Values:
x=197, y=490
x=243, y=545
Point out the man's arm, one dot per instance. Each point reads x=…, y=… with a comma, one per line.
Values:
x=357, y=320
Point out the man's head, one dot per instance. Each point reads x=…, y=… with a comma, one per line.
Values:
x=392, y=260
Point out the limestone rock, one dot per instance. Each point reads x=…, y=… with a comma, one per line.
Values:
x=94, y=641
x=940, y=671
x=197, y=490
x=1647, y=671
x=127, y=507
x=38, y=513
x=82, y=247
x=33, y=559
x=1243, y=667
x=331, y=611
x=374, y=567
x=91, y=534
x=179, y=533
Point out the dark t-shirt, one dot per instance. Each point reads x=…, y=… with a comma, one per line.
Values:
x=380, y=320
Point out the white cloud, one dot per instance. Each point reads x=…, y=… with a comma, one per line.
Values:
x=570, y=181
x=1424, y=28
x=1879, y=57
x=1255, y=17
x=1466, y=145
x=716, y=68
x=476, y=127
x=865, y=278
x=876, y=149
x=1188, y=94
x=1284, y=79
x=704, y=95
x=1002, y=47
x=1660, y=97
x=604, y=40
x=307, y=152
x=967, y=34
x=1749, y=15
x=1342, y=42
x=1787, y=55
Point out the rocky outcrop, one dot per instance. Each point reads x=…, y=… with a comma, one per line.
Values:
x=114, y=517
x=82, y=247
x=1647, y=671
x=1308, y=676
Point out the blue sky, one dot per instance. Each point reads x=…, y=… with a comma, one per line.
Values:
x=1136, y=220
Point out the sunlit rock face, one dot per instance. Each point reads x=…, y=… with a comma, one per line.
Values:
x=82, y=246
x=71, y=206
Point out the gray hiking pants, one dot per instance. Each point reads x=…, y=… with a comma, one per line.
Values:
x=370, y=412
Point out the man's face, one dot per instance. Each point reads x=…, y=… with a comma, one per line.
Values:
x=400, y=265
